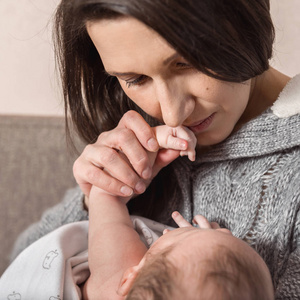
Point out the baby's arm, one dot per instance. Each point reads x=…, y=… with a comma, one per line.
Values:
x=114, y=245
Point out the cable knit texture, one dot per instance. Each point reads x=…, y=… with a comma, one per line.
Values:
x=249, y=183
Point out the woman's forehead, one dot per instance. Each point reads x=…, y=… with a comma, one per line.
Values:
x=126, y=42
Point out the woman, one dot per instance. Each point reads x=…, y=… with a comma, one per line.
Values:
x=127, y=65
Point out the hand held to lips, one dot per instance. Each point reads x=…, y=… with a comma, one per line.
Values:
x=123, y=161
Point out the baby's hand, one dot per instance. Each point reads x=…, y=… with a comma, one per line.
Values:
x=178, y=138
x=199, y=220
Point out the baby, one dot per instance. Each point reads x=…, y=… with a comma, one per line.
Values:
x=206, y=262
x=203, y=262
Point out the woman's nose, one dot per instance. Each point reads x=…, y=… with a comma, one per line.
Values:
x=176, y=104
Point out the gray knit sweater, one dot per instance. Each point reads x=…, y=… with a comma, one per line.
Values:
x=249, y=183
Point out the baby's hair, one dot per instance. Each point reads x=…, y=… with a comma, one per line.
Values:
x=155, y=280
x=232, y=275
x=225, y=275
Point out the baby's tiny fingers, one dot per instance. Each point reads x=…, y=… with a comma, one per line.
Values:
x=180, y=220
x=191, y=154
x=166, y=231
x=214, y=225
x=202, y=222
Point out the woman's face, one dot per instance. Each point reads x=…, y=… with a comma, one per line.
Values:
x=164, y=84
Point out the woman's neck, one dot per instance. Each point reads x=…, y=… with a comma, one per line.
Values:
x=264, y=92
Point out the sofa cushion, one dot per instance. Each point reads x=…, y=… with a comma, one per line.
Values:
x=35, y=172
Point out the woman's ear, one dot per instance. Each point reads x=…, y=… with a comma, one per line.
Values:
x=127, y=280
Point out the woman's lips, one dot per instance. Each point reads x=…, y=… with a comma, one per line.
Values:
x=202, y=125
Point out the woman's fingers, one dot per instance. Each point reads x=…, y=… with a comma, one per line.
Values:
x=124, y=140
x=106, y=168
x=92, y=175
x=118, y=161
x=144, y=133
x=180, y=220
x=124, y=160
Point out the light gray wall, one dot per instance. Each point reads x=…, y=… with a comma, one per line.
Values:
x=27, y=77
x=28, y=82
x=285, y=14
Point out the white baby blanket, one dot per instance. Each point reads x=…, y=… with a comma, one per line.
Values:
x=54, y=266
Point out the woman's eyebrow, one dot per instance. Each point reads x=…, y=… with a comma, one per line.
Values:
x=120, y=74
x=170, y=58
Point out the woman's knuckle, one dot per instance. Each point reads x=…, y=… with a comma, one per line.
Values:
x=125, y=136
x=87, y=149
x=130, y=115
x=111, y=185
x=108, y=156
x=141, y=161
x=131, y=179
x=92, y=175
x=103, y=136
x=76, y=168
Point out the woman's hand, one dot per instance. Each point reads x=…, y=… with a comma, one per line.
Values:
x=123, y=161
x=100, y=164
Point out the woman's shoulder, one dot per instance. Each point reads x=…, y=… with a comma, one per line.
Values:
x=288, y=101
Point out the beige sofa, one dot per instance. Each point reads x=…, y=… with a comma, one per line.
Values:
x=35, y=172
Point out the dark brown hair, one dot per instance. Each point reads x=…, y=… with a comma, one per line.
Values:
x=226, y=275
x=227, y=39
x=230, y=40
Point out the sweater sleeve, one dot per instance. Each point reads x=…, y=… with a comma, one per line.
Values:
x=289, y=283
x=71, y=209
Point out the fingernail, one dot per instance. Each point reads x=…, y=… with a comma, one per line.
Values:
x=183, y=146
x=147, y=173
x=126, y=191
x=175, y=214
x=153, y=145
x=140, y=187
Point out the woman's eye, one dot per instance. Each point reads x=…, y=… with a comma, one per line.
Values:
x=136, y=81
x=183, y=65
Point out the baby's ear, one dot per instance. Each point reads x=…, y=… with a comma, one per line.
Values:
x=127, y=280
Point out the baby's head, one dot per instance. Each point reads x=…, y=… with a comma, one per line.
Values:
x=191, y=263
